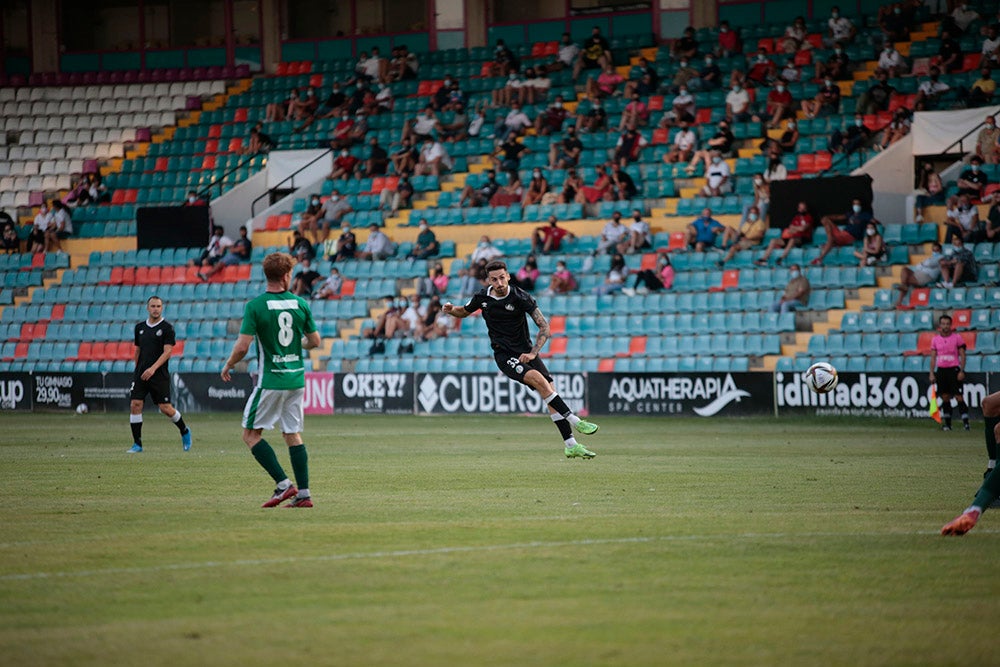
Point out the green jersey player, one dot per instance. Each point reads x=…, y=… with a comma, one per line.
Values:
x=282, y=326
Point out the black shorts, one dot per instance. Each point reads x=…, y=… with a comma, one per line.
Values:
x=157, y=386
x=512, y=367
x=947, y=381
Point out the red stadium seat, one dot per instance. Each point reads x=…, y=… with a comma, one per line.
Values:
x=637, y=345
x=661, y=135
x=556, y=346
x=557, y=325
x=766, y=43
x=215, y=131
x=606, y=366
x=316, y=81
x=962, y=318
x=803, y=58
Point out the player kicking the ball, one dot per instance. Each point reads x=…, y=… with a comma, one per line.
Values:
x=990, y=490
x=504, y=308
x=283, y=326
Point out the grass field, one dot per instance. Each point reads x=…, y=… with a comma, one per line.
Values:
x=473, y=541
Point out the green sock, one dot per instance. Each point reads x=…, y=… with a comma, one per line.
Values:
x=300, y=465
x=268, y=461
x=989, y=491
x=991, y=438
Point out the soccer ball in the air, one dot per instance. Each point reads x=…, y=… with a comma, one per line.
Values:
x=821, y=377
x=82, y=409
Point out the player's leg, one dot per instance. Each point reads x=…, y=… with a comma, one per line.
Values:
x=963, y=407
x=161, y=396
x=537, y=376
x=991, y=415
x=135, y=421
x=291, y=423
x=262, y=411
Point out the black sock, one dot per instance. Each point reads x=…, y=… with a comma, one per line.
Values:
x=136, y=433
x=947, y=417
x=181, y=426
x=991, y=437
x=565, y=430
x=560, y=405
x=963, y=410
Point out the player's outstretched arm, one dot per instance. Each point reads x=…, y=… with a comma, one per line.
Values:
x=455, y=311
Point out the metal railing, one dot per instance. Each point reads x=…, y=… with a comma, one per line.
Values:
x=291, y=177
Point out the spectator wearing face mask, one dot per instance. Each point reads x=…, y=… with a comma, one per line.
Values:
x=721, y=142
x=312, y=217
x=891, y=61
x=640, y=236
x=845, y=229
x=426, y=244
x=987, y=141
x=878, y=95
x=682, y=150
x=193, y=199
x=973, y=180
x=796, y=294
x=635, y=114
x=779, y=105
x=551, y=120
x=433, y=160
x=337, y=207
x=856, y=136
x=549, y=238
x=933, y=192
x=703, y=231
x=345, y=166
x=840, y=30
x=798, y=232
x=930, y=91
x=958, y=265
x=921, y=274
x=982, y=90
x=873, y=248
x=749, y=234
x=717, y=178
x=538, y=186
x=738, y=105
x=825, y=103
x=963, y=221
x=837, y=66
x=481, y=195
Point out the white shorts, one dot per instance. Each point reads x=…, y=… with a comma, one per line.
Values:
x=267, y=407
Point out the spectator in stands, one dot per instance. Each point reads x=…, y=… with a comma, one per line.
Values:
x=729, y=41
x=930, y=91
x=779, y=105
x=332, y=106
x=703, y=231
x=761, y=198
x=404, y=160
x=305, y=278
x=949, y=52
x=436, y=324
x=309, y=222
x=614, y=281
x=376, y=68
x=963, y=221
x=458, y=128
x=572, y=185
x=424, y=125
x=682, y=109
x=565, y=153
x=514, y=123
x=433, y=160
x=958, y=265
x=216, y=248
x=344, y=247
x=629, y=147
x=796, y=294
x=973, y=181
x=790, y=73
x=386, y=324
x=738, y=109
x=595, y=54
x=931, y=189
x=649, y=280
x=88, y=190
x=383, y=101
x=377, y=163
x=919, y=275
x=877, y=97
x=798, y=232
x=990, y=48
x=761, y=68
x=892, y=61
x=854, y=221
x=304, y=105
x=893, y=25
x=504, y=60
x=982, y=89
x=237, y=253
x=601, y=190
x=426, y=244
x=510, y=92
x=873, y=248
x=839, y=29
x=536, y=86
x=855, y=137
x=259, y=141
x=405, y=65
x=60, y=227
x=398, y=198
x=331, y=286
x=40, y=228
x=552, y=118
x=336, y=209
x=481, y=195
x=562, y=280
x=685, y=47
x=485, y=249
x=511, y=193
x=795, y=36
x=278, y=111
x=359, y=129
x=435, y=283
x=717, y=181
x=624, y=187
x=682, y=150
x=605, y=85
x=538, y=186
x=508, y=155
x=643, y=80
x=526, y=276
x=548, y=239
x=193, y=199
x=345, y=166
x=991, y=231
x=789, y=138
x=8, y=236
x=721, y=141
x=341, y=136
x=378, y=246
x=640, y=236
x=897, y=128
x=614, y=232
x=825, y=103
x=299, y=247
x=776, y=169
x=635, y=114
x=837, y=66
x=595, y=120
x=472, y=279
x=961, y=17
x=748, y=234
x=567, y=55
x=683, y=76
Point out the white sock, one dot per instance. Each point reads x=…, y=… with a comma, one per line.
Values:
x=570, y=441
x=303, y=493
x=177, y=416
x=284, y=484
x=135, y=419
x=572, y=419
x=992, y=464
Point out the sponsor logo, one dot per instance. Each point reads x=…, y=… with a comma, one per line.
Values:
x=374, y=385
x=284, y=359
x=656, y=394
x=494, y=393
x=54, y=390
x=159, y=332
x=509, y=307
x=11, y=393
x=226, y=392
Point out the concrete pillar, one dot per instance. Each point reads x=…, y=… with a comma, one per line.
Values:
x=44, y=36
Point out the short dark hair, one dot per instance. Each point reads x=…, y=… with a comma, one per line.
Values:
x=496, y=265
x=943, y=318
x=154, y=297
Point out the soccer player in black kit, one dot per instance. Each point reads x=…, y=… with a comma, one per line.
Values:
x=505, y=308
x=154, y=341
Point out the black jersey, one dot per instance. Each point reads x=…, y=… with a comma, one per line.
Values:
x=150, y=340
x=506, y=319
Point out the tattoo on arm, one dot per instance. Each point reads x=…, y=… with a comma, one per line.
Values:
x=543, y=330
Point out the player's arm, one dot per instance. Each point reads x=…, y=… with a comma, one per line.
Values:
x=961, y=362
x=543, y=334
x=162, y=359
x=933, y=363
x=240, y=349
x=311, y=340
x=455, y=311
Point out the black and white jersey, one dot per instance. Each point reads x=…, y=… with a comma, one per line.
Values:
x=150, y=339
x=506, y=319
